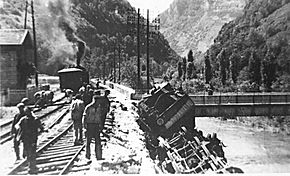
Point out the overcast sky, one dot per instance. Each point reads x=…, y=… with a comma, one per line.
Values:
x=154, y=6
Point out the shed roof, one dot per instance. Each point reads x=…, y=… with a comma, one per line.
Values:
x=13, y=36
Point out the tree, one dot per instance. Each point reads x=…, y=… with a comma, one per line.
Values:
x=222, y=64
x=268, y=69
x=254, y=38
x=179, y=68
x=190, y=56
x=255, y=68
x=234, y=66
x=184, y=68
x=129, y=73
x=189, y=70
x=208, y=72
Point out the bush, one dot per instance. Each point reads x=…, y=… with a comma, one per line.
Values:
x=246, y=86
x=282, y=83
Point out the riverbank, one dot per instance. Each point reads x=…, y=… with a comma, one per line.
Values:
x=279, y=124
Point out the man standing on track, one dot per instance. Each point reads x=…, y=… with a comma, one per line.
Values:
x=29, y=126
x=93, y=124
x=106, y=107
x=69, y=95
x=77, y=109
x=15, y=133
x=25, y=101
x=88, y=94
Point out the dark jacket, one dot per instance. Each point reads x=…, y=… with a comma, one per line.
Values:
x=29, y=127
x=77, y=110
x=16, y=119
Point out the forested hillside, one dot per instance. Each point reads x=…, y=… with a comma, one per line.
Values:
x=193, y=24
x=101, y=24
x=252, y=52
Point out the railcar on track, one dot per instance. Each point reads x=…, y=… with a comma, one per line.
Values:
x=73, y=78
x=167, y=118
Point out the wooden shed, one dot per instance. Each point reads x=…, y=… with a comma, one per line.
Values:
x=15, y=58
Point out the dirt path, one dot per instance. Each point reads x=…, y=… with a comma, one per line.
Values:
x=252, y=150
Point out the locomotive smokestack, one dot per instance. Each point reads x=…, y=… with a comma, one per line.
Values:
x=81, y=51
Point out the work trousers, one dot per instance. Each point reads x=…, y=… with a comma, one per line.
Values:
x=30, y=149
x=78, y=131
x=16, y=144
x=103, y=117
x=93, y=131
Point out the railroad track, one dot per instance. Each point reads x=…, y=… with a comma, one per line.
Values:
x=5, y=134
x=55, y=155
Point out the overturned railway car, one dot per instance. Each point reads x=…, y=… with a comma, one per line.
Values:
x=167, y=118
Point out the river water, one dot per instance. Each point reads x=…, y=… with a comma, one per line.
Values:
x=250, y=149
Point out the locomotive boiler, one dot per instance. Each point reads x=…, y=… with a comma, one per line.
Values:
x=167, y=118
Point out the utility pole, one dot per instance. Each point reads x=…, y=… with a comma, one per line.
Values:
x=34, y=42
x=25, y=16
x=114, y=62
x=131, y=22
x=148, y=67
x=138, y=49
x=119, y=80
x=104, y=69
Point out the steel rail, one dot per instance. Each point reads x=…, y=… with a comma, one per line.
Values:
x=8, y=122
x=65, y=169
x=6, y=136
x=41, y=149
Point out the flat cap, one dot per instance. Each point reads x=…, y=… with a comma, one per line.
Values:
x=24, y=100
x=20, y=105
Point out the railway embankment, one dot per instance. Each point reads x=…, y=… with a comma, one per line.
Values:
x=124, y=150
x=123, y=143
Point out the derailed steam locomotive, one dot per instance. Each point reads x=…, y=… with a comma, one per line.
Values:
x=167, y=117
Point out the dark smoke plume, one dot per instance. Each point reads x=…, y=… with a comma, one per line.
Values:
x=81, y=51
x=58, y=32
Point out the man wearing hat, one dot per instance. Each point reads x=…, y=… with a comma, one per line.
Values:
x=25, y=101
x=106, y=106
x=88, y=94
x=16, y=133
x=93, y=125
x=69, y=95
x=77, y=108
x=29, y=126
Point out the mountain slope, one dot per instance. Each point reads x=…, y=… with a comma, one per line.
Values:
x=101, y=24
x=257, y=44
x=193, y=24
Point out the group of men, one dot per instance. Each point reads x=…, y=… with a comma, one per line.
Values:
x=43, y=98
x=25, y=128
x=89, y=110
